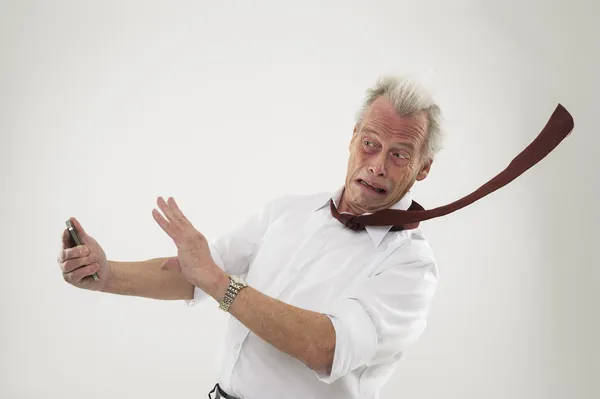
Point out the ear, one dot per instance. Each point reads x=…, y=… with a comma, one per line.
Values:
x=424, y=170
x=354, y=132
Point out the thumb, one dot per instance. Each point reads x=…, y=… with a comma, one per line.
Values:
x=80, y=230
x=171, y=264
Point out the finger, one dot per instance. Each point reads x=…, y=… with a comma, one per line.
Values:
x=164, y=207
x=72, y=253
x=177, y=214
x=79, y=274
x=72, y=264
x=186, y=226
x=163, y=223
x=66, y=239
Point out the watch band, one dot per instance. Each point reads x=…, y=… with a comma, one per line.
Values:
x=235, y=286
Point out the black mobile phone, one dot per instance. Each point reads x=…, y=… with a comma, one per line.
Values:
x=77, y=240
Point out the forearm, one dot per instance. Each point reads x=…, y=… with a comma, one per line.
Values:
x=306, y=335
x=147, y=279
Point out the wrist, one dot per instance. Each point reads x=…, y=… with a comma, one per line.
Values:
x=217, y=284
x=110, y=280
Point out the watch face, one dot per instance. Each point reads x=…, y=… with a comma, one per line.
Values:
x=238, y=280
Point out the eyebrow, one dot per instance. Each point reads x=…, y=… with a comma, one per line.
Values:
x=407, y=145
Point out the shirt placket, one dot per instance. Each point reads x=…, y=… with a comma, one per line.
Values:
x=236, y=335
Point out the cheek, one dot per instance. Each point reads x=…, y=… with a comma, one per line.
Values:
x=399, y=176
x=352, y=167
x=356, y=161
x=361, y=158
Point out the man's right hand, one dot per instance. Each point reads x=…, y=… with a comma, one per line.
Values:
x=79, y=263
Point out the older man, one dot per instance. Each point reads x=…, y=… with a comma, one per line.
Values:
x=318, y=310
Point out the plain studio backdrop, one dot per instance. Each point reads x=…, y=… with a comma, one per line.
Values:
x=105, y=106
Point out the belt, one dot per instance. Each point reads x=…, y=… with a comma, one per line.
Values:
x=219, y=393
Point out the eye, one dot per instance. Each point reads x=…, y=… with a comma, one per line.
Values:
x=400, y=155
x=368, y=143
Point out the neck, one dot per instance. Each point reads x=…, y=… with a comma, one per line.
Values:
x=343, y=205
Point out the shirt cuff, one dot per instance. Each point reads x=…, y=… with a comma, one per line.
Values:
x=355, y=339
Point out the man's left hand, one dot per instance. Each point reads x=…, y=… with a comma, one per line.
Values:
x=193, y=260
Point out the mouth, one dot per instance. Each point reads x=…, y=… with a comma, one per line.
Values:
x=371, y=187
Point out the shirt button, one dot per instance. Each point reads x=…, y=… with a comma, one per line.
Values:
x=237, y=346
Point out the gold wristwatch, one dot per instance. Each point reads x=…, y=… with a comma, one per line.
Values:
x=235, y=286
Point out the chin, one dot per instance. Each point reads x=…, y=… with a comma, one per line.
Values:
x=370, y=202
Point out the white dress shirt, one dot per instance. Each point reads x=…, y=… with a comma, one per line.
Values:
x=375, y=285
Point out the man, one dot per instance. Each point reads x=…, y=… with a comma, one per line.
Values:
x=321, y=310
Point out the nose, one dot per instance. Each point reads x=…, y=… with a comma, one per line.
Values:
x=378, y=166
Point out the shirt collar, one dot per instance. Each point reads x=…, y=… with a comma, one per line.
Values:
x=377, y=233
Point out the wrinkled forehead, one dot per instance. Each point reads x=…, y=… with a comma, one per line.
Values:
x=382, y=119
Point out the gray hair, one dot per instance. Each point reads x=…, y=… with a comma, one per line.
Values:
x=408, y=98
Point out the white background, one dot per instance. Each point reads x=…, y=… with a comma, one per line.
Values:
x=224, y=105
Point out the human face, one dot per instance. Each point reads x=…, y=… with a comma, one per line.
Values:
x=386, y=152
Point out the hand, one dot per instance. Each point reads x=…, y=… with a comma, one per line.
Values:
x=193, y=260
x=79, y=263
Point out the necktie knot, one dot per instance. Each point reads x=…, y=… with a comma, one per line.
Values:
x=353, y=224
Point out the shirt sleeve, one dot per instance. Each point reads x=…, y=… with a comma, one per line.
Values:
x=233, y=251
x=381, y=315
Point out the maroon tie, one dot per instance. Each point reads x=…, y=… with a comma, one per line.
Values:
x=557, y=128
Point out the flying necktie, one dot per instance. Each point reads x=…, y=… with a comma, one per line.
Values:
x=558, y=127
